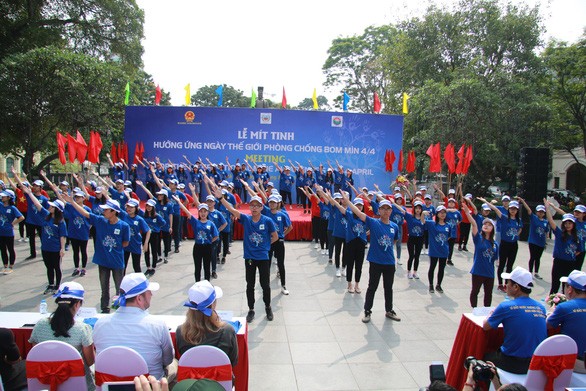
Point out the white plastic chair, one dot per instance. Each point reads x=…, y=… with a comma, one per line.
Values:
x=535, y=380
x=203, y=358
x=53, y=352
x=119, y=363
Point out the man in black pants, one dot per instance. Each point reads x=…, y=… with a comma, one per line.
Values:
x=33, y=217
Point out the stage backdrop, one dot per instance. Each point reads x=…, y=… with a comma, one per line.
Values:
x=357, y=141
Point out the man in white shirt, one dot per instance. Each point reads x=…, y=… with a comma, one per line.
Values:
x=133, y=327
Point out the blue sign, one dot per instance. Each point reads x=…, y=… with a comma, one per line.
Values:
x=264, y=136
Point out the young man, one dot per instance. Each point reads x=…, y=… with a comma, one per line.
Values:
x=259, y=234
x=523, y=321
x=383, y=236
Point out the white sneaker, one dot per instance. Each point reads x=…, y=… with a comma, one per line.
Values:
x=26, y=240
x=5, y=270
x=316, y=245
x=338, y=272
x=415, y=276
x=399, y=261
x=284, y=290
x=410, y=275
x=21, y=240
x=324, y=251
x=344, y=271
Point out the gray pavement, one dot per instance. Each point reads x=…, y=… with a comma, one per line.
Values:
x=317, y=340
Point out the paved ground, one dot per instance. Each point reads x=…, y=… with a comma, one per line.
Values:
x=317, y=340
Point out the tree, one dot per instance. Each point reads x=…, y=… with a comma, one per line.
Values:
x=307, y=103
x=207, y=96
x=142, y=91
x=50, y=89
x=106, y=29
x=566, y=66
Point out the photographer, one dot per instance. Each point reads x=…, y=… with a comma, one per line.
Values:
x=480, y=370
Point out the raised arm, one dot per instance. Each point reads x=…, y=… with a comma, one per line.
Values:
x=441, y=193
x=471, y=219
x=77, y=207
x=218, y=194
x=491, y=206
x=110, y=159
x=28, y=191
x=125, y=165
x=361, y=215
x=142, y=186
x=527, y=208
x=187, y=160
x=183, y=207
x=51, y=184
x=552, y=223
x=277, y=167
x=195, y=197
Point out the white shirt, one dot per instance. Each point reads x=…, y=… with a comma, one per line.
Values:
x=136, y=329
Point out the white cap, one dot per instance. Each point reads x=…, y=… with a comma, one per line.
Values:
x=485, y=207
x=270, y=184
x=440, y=208
x=506, y=198
x=451, y=191
x=274, y=198
x=385, y=203
x=203, y=206
x=202, y=295
x=418, y=203
x=487, y=220
x=132, y=202
x=398, y=195
x=580, y=208
x=540, y=208
x=163, y=192
x=38, y=182
x=57, y=204
x=452, y=200
x=337, y=195
x=568, y=216
x=256, y=199
x=428, y=197
x=576, y=279
x=514, y=204
x=211, y=198
x=134, y=280
x=520, y=276
x=70, y=290
x=151, y=202
x=358, y=201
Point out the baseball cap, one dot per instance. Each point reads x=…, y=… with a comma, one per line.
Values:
x=203, y=206
x=270, y=184
x=99, y=189
x=397, y=188
x=119, y=181
x=38, y=182
x=568, y=216
x=358, y=201
x=174, y=181
x=576, y=279
x=211, y=198
x=151, y=202
x=514, y=204
x=132, y=202
x=79, y=194
x=181, y=186
x=418, y=203
x=163, y=192
x=274, y=198
x=57, y=204
x=133, y=284
x=452, y=200
x=70, y=290
x=506, y=198
x=485, y=207
x=490, y=221
x=580, y=208
x=468, y=195
x=422, y=188
x=224, y=183
x=451, y=191
x=385, y=203
x=398, y=195
x=520, y=276
x=64, y=183
x=440, y=208
x=202, y=295
x=418, y=193
x=256, y=199
x=540, y=208
x=428, y=197
x=127, y=183
x=111, y=204
x=337, y=195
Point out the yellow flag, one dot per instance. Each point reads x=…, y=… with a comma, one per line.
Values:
x=405, y=106
x=188, y=94
x=314, y=99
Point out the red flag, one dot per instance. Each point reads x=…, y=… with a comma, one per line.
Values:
x=376, y=103
x=387, y=160
x=392, y=159
x=460, y=166
x=284, y=100
x=71, y=148
x=434, y=153
x=81, y=148
x=61, y=141
x=114, y=153
x=91, y=148
x=400, y=165
x=438, y=157
x=411, y=161
x=158, y=95
x=136, y=153
x=450, y=158
x=141, y=155
x=467, y=160
x=98, y=145
x=125, y=150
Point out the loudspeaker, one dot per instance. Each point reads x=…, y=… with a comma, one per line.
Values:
x=534, y=166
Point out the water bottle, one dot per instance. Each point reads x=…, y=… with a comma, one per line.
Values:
x=43, y=306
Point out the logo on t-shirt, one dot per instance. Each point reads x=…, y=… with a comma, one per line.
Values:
x=385, y=241
x=358, y=229
x=116, y=231
x=255, y=238
x=109, y=242
x=441, y=238
x=261, y=226
x=78, y=222
x=48, y=231
x=417, y=230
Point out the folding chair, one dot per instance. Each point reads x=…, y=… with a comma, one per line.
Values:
x=118, y=363
x=206, y=362
x=55, y=365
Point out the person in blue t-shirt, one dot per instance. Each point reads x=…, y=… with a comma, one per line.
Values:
x=439, y=232
x=217, y=217
x=9, y=217
x=205, y=234
x=511, y=227
x=112, y=235
x=485, y=256
x=571, y=315
x=286, y=182
x=430, y=209
x=53, y=238
x=156, y=222
x=565, y=248
x=339, y=233
x=165, y=209
x=415, y=242
x=580, y=215
x=538, y=229
x=398, y=217
x=259, y=233
x=523, y=322
x=453, y=219
x=78, y=231
x=139, y=229
x=283, y=225
x=383, y=235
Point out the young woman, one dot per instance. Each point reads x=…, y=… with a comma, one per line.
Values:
x=165, y=209
x=155, y=222
x=538, y=229
x=283, y=225
x=53, y=238
x=9, y=217
x=511, y=226
x=566, y=246
x=61, y=326
x=339, y=233
x=415, y=241
x=439, y=233
x=205, y=234
x=398, y=217
x=138, y=229
x=202, y=324
x=453, y=218
x=78, y=232
x=485, y=255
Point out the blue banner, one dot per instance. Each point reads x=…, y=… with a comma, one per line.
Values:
x=264, y=136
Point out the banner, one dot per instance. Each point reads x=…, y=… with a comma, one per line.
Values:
x=264, y=136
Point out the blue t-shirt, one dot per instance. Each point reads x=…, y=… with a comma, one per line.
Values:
x=34, y=216
x=538, y=230
x=78, y=227
x=166, y=211
x=95, y=209
x=524, y=324
x=176, y=207
x=52, y=233
x=356, y=227
x=308, y=180
x=414, y=225
x=203, y=233
x=280, y=219
x=154, y=223
x=338, y=178
x=299, y=178
x=564, y=250
x=431, y=210
x=116, y=195
x=510, y=228
x=227, y=217
x=257, y=237
x=324, y=211
x=485, y=256
x=109, y=237
x=137, y=227
x=340, y=223
x=571, y=315
x=438, y=239
x=286, y=181
x=347, y=182
x=453, y=219
x=397, y=217
x=333, y=217
x=581, y=231
x=382, y=240
x=7, y=215
x=217, y=218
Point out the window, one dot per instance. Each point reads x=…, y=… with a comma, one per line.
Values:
x=9, y=165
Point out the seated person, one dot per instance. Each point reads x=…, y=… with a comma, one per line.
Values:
x=12, y=368
x=133, y=327
x=571, y=315
x=523, y=320
x=61, y=326
x=203, y=326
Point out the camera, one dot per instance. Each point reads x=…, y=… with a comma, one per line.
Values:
x=481, y=371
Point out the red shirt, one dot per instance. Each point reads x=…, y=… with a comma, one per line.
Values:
x=21, y=204
x=314, y=205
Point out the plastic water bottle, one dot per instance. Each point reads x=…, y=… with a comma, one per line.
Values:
x=43, y=306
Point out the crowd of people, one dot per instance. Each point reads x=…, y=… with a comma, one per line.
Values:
x=346, y=221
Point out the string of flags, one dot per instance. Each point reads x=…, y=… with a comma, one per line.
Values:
x=390, y=161
x=464, y=159
x=78, y=149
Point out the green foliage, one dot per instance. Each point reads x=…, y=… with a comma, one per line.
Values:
x=206, y=96
x=142, y=91
x=307, y=103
